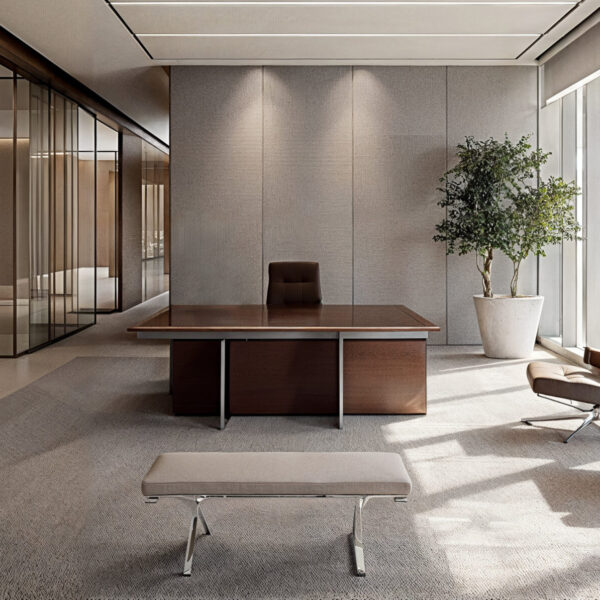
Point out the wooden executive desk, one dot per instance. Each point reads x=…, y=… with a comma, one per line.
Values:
x=254, y=359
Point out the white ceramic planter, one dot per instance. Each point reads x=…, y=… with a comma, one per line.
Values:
x=508, y=326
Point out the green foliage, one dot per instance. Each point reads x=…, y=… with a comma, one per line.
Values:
x=540, y=216
x=493, y=202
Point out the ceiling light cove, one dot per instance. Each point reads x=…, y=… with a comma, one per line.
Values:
x=336, y=31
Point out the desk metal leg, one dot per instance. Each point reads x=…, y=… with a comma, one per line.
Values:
x=341, y=381
x=222, y=387
x=170, y=366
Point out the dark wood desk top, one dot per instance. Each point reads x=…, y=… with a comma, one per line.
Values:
x=258, y=317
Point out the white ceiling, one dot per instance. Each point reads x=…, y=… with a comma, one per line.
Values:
x=87, y=39
x=339, y=32
x=116, y=48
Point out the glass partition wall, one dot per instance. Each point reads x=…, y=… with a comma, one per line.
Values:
x=7, y=151
x=155, y=221
x=47, y=224
x=107, y=211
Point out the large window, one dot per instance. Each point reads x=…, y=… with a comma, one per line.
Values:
x=569, y=277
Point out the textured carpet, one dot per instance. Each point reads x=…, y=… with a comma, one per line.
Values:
x=499, y=510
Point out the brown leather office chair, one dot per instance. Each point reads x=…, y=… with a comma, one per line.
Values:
x=570, y=382
x=294, y=283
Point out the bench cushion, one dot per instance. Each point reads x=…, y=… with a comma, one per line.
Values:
x=277, y=473
x=564, y=381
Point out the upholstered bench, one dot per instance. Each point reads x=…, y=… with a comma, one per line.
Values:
x=197, y=476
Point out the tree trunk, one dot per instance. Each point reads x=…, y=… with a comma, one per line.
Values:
x=515, y=279
x=486, y=273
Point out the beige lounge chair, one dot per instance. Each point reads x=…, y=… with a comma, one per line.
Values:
x=579, y=386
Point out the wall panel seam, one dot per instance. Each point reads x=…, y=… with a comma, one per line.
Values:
x=14, y=210
x=352, y=170
x=446, y=211
x=262, y=183
x=537, y=145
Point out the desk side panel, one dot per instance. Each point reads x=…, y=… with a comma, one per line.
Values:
x=385, y=377
x=196, y=371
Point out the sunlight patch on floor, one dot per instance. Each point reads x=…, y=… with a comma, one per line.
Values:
x=469, y=476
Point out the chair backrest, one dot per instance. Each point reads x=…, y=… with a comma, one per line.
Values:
x=294, y=283
x=591, y=357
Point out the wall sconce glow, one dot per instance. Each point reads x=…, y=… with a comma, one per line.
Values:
x=574, y=87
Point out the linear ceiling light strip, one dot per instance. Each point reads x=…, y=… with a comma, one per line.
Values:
x=311, y=35
x=341, y=3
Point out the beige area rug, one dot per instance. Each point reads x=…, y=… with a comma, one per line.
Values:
x=499, y=509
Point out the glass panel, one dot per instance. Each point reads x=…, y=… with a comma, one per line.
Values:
x=593, y=213
x=45, y=219
x=155, y=220
x=569, y=251
x=580, y=210
x=71, y=145
x=22, y=215
x=86, y=229
x=575, y=124
x=550, y=266
x=6, y=222
x=39, y=225
x=106, y=218
x=57, y=229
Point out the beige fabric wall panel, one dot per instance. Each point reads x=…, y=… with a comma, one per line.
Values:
x=216, y=185
x=484, y=102
x=399, y=155
x=130, y=280
x=339, y=165
x=307, y=199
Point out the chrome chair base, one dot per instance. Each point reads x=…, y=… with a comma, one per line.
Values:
x=588, y=416
x=356, y=535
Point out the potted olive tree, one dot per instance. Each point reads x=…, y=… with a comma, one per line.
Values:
x=495, y=201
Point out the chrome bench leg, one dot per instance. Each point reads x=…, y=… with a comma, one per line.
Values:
x=189, y=552
x=357, y=538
